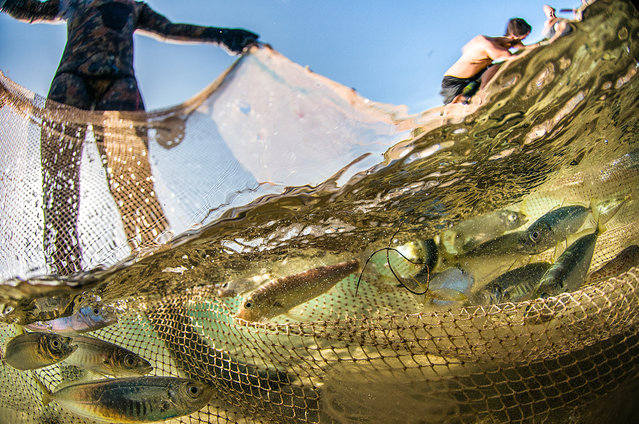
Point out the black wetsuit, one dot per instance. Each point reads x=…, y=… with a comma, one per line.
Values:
x=96, y=69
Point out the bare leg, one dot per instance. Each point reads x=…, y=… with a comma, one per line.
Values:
x=489, y=74
x=61, y=150
x=460, y=98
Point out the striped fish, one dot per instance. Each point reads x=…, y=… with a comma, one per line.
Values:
x=106, y=358
x=131, y=400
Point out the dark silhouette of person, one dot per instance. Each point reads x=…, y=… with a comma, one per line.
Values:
x=96, y=73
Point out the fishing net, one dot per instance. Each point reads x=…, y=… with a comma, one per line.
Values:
x=276, y=170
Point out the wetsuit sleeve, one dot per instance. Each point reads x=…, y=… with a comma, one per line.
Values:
x=159, y=26
x=32, y=10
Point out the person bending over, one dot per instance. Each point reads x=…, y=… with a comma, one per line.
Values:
x=462, y=80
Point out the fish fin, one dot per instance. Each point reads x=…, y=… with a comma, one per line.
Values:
x=103, y=374
x=596, y=213
x=447, y=295
x=597, y=224
x=68, y=309
x=555, y=254
x=47, y=395
x=293, y=316
x=601, y=228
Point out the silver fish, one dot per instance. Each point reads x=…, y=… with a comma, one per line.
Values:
x=279, y=296
x=512, y=286
x=106, y=358
x=40, y=309
x=240, y=286
x=411, y=262
x=468, y=234
x=543, y=234
x=88, y=318
x=449, y=286
x=31, y=351
x=133, y=399
x=569, y=270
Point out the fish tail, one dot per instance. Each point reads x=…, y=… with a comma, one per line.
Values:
x=596, y=216
x=47, y=395
x=601, y=227
x=596, y=213
x=598, y=223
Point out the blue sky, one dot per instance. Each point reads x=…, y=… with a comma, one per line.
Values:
x=389, y=51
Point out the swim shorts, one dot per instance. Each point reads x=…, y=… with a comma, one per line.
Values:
x=453, y=87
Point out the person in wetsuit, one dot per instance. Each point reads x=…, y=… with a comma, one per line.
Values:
x=96, y=73
x=96, y=69
x=462, y=80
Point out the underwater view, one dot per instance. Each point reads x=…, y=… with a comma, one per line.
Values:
x=298, y=253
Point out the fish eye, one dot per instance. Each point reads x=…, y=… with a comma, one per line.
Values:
x=129, y=361
x=225, y=285
x=56, y=343
x=193, y=390
x=248, y=304
x=534, y=236
x=512, y=217
x=96, y=311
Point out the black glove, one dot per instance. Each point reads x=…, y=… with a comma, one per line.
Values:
x=236, y=39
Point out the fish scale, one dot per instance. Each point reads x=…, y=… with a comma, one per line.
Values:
x=37, y=350
x=107, y=358
x=132, y=400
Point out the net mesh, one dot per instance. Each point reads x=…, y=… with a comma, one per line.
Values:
x=151, y=212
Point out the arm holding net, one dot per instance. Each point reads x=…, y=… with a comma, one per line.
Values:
x=160, y=27
x=32, y=10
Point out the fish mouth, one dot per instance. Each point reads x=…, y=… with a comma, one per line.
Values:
x=145, y=369
x=246, y=315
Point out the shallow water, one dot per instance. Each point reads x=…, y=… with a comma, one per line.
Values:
x=557, y=127
x=564, y=133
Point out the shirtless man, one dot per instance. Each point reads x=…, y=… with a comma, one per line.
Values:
x=96, y=73
x=462, y=80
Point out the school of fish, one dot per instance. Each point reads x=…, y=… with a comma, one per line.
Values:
x=118, y=389
x=121, y=389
